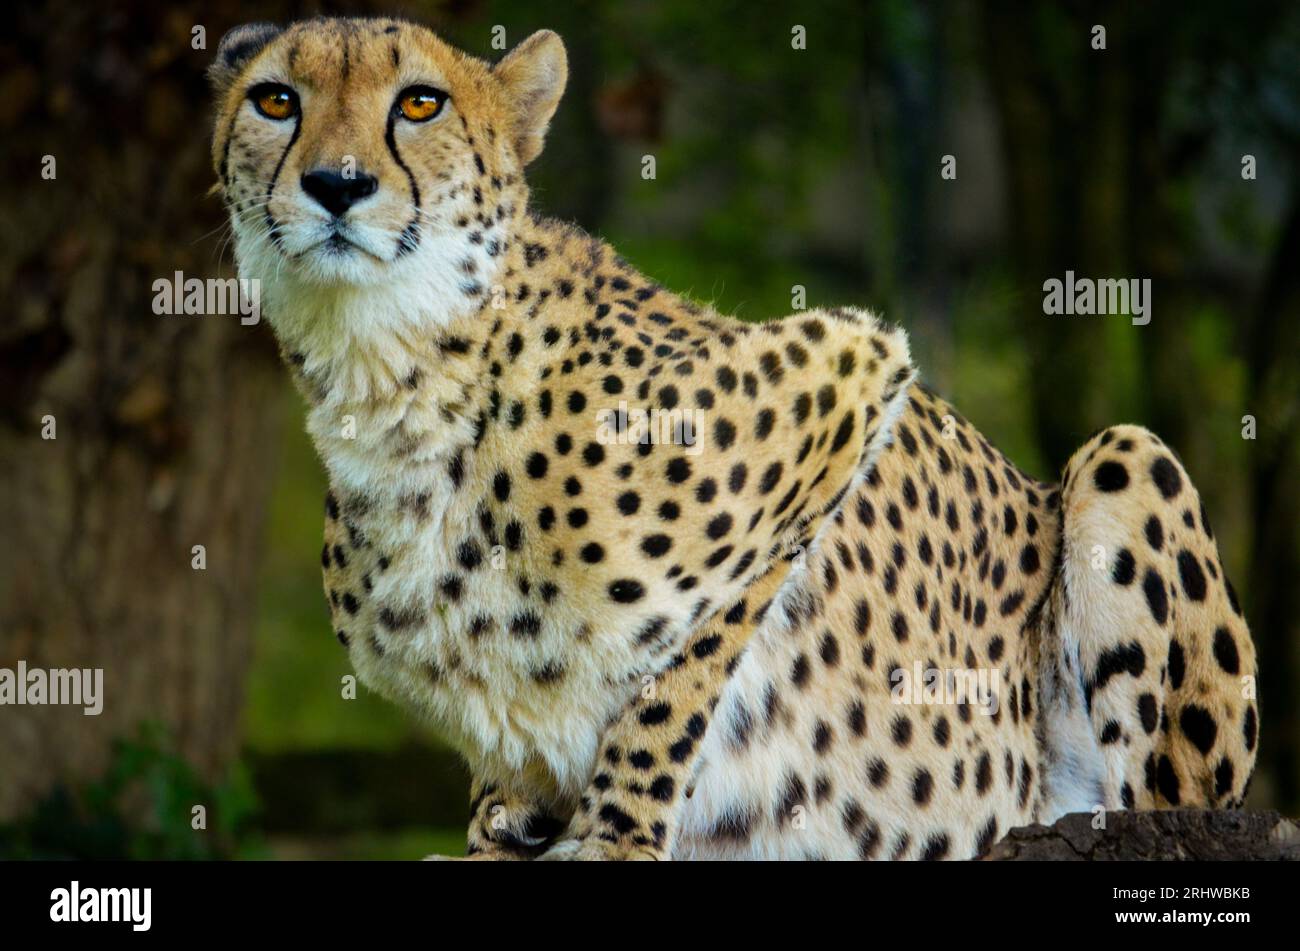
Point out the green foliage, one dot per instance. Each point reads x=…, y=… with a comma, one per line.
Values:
x=141, y=808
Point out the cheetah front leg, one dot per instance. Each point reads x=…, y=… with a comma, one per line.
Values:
x=631, y=809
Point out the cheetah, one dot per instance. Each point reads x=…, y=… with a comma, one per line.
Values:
x=819, y=617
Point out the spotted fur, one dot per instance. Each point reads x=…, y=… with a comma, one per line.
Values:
x=657, y=649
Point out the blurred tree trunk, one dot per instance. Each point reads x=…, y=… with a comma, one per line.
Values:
x=163, y=424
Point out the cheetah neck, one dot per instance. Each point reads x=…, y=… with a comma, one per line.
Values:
x=402, y=377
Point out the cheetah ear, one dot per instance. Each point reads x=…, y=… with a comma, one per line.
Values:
x=237, y=47
x=533, y=75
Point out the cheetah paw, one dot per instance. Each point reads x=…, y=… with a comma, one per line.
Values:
x=594, y=850
x=494, y=856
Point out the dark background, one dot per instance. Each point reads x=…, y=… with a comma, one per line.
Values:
x=775, y=167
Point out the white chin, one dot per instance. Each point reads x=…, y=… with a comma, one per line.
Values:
x=346, y=264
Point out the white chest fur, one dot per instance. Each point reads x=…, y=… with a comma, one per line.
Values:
x=447, y=623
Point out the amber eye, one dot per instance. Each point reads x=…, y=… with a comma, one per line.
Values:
x=421, y=103
x=274, y=101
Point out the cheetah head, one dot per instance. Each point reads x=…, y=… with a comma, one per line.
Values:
x=358, y=153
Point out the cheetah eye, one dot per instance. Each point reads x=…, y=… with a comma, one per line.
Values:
x=420, y=103
x=274, y=100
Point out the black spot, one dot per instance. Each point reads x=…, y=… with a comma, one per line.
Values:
x=1250, y=728
x=1029, y=559
x=641, y=759
x=1116, y=660
x=869, y=840
x=616, y=817
x=656, y=545
x=1125, y=568
x=1223, y=776
x=983, y=774
x=1148, y=712
x=936, y=847
x=527, y=624
x=878, y=773
x=796, y=794
x=1165, y=475
x=1193, y=578
x=1177, y=664
x=857, y=718
x=799, y=671
x=501, y=486
x=922, y=787
x=862, y=617
x=822, y=737
x=1167, y=781
x=830, y=650
x=1225, y=651
x=902, y=730
x=662, y=788
x=655, y=713
x=842, y=434
x=1199, y=727
x=1155, y=533
x=770, y=364
x=626, y=591
x=469, y=555
x=707, y=646
x=1157, y=598
x=1110, y=476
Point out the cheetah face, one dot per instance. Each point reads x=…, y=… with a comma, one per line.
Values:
x=352, y=151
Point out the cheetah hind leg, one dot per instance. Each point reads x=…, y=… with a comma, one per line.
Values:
x=1147, y=666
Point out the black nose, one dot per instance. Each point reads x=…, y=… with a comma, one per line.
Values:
x=337, y=193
